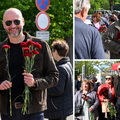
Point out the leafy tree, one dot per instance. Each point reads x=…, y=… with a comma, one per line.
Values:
x=104, y=4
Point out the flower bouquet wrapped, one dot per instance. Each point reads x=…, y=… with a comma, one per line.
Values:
x=6, y=47
x=103, y=90
x=29, y=52
x=85, y=97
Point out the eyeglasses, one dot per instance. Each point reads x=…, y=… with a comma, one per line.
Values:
x=93, y=16
x=118, y=68
x=108, y=78
x=9, y=22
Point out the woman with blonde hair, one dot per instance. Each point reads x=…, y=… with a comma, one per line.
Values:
x=96, y=21
x=92, y=100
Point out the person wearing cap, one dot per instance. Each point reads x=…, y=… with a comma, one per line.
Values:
x=93, y=80
x=117, y=92
x=107, y=17
x=88, y=22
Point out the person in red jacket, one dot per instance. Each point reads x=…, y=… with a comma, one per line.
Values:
x=111, y=95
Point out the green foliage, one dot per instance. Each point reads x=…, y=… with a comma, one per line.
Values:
x=92, y=67
x=104, y=4
x=60, y=12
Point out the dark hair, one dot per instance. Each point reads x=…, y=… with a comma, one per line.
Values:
x=112, y=18
x=79, y=76
x=110, y=75
x=61, y=46
x=97, y=16
x=116, y=13
x=100, y=13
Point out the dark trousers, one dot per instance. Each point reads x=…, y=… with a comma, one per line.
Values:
x=63, y=118
x=17, y=115
x=118, y=111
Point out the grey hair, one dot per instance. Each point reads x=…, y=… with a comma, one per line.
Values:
x=80, y=4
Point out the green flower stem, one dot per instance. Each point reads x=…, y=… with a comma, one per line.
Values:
x=112, y=109
x=9, y=78
x=29, y=62
x=10, y=102
x=91, y=114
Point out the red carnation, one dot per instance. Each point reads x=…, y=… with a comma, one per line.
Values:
x=104, y=24
x=27, y=54
x=26, y=49
x=23, y=44
x=34, y=52
x=86, y=99
x=38, y=46
x=6, y=46
x=118, y=36
x=30, y=43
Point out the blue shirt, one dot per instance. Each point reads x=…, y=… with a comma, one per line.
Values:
x=88, y=43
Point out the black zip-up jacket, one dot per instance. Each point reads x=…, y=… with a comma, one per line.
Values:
x=60, y=97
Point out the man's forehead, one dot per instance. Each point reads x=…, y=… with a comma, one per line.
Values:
x=12, y=11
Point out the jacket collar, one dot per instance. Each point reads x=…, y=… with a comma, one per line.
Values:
x=117, y=25
x=63, y=61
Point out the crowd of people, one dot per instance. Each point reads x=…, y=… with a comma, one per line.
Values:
x=103, y=99
x=90, y=41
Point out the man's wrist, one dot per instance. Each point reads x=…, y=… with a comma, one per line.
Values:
x=34, y=85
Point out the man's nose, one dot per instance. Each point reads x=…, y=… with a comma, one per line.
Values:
x=13, y=24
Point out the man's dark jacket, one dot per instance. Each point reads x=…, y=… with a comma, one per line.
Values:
x=116, y=79
x=60, y=97
x=45, y=76
x=77, y=85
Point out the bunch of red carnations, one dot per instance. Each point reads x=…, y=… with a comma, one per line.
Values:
x=104, y=91
x=102, y=30
x=29, y=52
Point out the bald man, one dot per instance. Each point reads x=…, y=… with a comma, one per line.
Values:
x=43, y=77
x=117, y=92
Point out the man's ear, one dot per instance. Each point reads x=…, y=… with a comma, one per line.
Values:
x=83, y=12
x=3, y=24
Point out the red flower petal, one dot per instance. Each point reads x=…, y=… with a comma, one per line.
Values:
x=38, y=46
x=26, y=49
x=27, y=54
x=34, y=52
x=30, y=43
x=6, y=46
x=118, y=36
x=23, y=44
